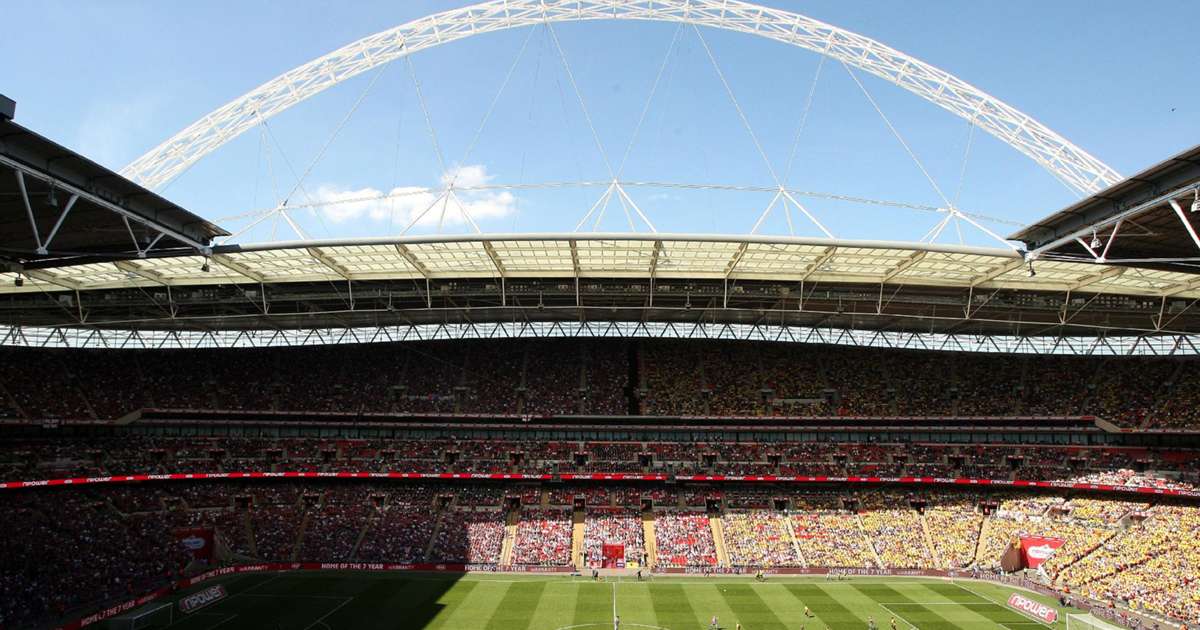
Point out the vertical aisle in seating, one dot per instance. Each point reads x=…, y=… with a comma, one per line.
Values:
x=510, y=537
x=649, y=538
x=578, y=531
x=718, y=533
x=930, y=548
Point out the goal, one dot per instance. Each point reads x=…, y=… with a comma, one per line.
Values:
x=145, y=618
x=1089, y=622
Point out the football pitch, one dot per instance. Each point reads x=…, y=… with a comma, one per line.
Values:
x=332, y=601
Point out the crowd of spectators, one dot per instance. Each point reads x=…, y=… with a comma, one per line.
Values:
x=895, y=530
x=954, y=520
x=684, y=538
x=34, y=459
x=471, y=536
x=1152, y=566
x=758, y=538
x=543, y=538
x=613, y=526
x=571, y=376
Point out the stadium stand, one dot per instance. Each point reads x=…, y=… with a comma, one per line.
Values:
x=557, y=377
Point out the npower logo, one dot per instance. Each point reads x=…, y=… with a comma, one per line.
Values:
x=1034, y=609
x=200, y=599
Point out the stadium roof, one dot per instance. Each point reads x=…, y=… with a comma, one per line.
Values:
x=624, y=255
x=605, y=277
x=56, y=205
x=1149, y=219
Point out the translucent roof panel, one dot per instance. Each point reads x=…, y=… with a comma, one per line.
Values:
x=609, y=257
x=371, y=261
x=451, y=258
x=617, y=256
x=533, y=257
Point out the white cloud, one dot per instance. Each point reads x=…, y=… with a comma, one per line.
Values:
x=403, y=204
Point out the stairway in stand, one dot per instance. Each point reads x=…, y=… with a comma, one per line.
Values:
x=577, y=537
x=929, y=546
x=718, y=532
x=870, y=544
x=648, y=537
x=791, y=532
x=980, y=542
x=510, y=538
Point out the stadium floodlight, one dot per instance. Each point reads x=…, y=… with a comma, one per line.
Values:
x=205, y=267
x=52, y=197
x=19, y=281
x=1096, y=244
x=1196, y=201
x=1032, y=273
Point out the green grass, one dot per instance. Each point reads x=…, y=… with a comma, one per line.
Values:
x=359, y=600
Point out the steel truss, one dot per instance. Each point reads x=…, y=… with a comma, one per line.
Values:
x=1073, y=166
x=1150, y=345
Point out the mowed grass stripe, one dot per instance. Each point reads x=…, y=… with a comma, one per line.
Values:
x=749, y=609
x=825, y=607
x=635, y=605
x=905, y=608
x=415, y=601
x=450, y=600
x=671, y=606
x=516, y=608
x=469, y=602
x=952, y=592
x=556, y=608
x=707, y=600
x=593, y=603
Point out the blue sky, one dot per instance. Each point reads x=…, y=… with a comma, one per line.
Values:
x=113, y=79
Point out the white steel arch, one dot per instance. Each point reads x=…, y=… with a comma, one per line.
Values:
x=1074, y=166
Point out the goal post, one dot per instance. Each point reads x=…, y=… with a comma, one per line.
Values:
x=148, y=617
x=1087, y=621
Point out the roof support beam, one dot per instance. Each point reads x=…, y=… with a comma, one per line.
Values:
x=328, y=261
x=229, y=263
x=1111, y=272
x=44, y=276
x=58, y=224
x=825, y=257
x=574, y=257
x=127, y=266
x=996, y=272
x=737, y=257
x=413, y=260
x=491, y=252
x=37, y=237
x=1183, y=219
x=1181, y=287
x=904, y=265
x=654, y=254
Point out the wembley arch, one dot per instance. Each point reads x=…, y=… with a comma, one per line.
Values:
x=1076, y=168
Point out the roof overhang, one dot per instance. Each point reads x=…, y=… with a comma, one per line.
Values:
x=1145, y=220
x=57, y=206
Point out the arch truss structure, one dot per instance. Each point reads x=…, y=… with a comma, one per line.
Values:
x=1073, y=166
x=71, y=337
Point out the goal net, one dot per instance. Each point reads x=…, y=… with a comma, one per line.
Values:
x=146, y=618
x=1089, y=622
